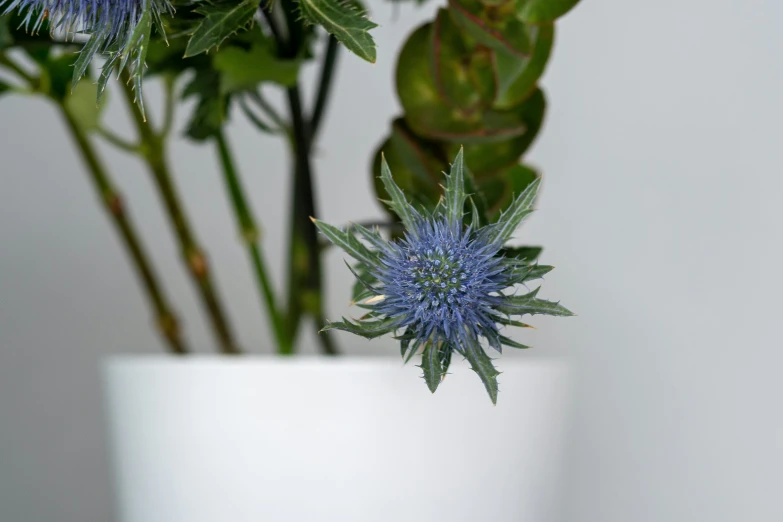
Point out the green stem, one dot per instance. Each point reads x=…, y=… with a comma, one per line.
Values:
x=168, y=107
x=270, y=111
x=195, y=258
x=165, y=319
x=250, y=235
x=255, y=120
x=117, y=141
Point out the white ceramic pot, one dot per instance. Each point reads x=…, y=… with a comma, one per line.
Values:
x=257, y=439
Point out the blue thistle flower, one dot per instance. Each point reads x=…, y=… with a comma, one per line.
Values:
x=121, y=28
x=446, y=286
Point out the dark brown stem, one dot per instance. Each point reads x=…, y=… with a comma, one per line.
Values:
x=305, y=283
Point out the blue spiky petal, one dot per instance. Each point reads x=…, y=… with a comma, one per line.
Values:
x=444, y=286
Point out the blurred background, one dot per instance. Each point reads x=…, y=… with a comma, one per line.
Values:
x=661, y=210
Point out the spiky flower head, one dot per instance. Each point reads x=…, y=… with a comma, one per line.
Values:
x=446, y=286
x=121, y=28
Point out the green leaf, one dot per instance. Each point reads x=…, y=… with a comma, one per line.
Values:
x=210, y=111
x=512, y=343
x=363, y=284
x=530, y=304
x=86, y=55
x=523, y=253
x=431, y=117
x=542, y=11
x=455, y=191
x=522, y=271
x=81, y=104
x=497, y=158
x=509, y=220
x=368, y=330
x=430, y=364
x=415, y=163
x=243, y=70
x=464, y=75
x=362, y=287
x=346, y=241
x=4, y=87
x=478, y=204
x=347, y=23
x=220, y=21
x=518, y=78
x=372, y=236
x=511, y=322
x=497, y=29
x=482, y=365
x=409, y=345
x=398, y=203
x=136, y=49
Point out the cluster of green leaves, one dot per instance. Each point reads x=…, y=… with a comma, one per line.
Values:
x=470, y=77
x=240, y=55
x=345, y=19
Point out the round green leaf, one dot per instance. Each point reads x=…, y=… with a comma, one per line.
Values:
x=520, y=82
x=542, y=11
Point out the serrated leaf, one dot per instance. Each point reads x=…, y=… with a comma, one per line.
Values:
x=542, y=11
x=511, y=322
x=243, y=70
x=362, y=288
x=530, y=304
x=371, y=236
x=512, y=343
x=478, y=204
x=482, y=365
x=220, y=21
x=444, y=354
x=430, y=364
x=523, y=253
x=520, y=208
x=368, y=330
x=398, y=203
x=81, y=104
x=522, y=271
x=346, y=241
x=454, y=192
x=348, y=24
x=86, y=55
x=136, y=50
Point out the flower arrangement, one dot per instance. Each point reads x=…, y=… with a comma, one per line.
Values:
x=443, y=279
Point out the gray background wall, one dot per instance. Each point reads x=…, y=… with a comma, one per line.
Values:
x=661, y=210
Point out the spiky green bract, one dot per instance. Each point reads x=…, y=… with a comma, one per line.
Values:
x=445, y=286
x=120, y=28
